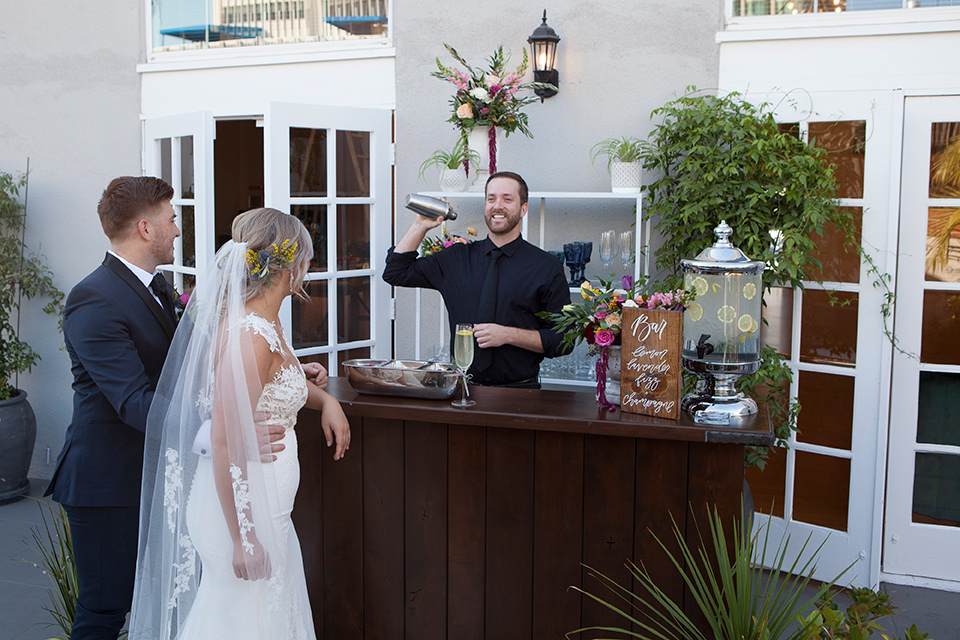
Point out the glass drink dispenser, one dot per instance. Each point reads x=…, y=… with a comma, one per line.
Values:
x=721, y=329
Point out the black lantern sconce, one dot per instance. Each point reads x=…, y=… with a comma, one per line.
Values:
x=543, y=44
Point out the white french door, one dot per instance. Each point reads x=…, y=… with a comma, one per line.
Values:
x=331, y=167
x=827, y=485
x=922, y=525
x=179, y=150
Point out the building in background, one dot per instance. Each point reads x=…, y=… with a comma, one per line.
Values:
x=326, y=109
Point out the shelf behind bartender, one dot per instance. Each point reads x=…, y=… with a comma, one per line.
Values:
x=498, y=284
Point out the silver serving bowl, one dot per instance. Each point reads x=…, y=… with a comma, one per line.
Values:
x=404, y=378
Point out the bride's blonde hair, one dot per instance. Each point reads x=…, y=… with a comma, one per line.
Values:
x=266, y=230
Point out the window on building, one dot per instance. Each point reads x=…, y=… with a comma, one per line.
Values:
x=205, y=24
x=797, y=7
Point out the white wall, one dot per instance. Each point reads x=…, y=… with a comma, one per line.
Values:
x=246, y=90
x=68, y=101
x=618, y=60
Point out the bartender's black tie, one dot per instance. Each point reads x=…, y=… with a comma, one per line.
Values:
x=161, y=289
x=487, y=309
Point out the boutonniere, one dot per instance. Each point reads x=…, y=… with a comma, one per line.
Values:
x=180, y=301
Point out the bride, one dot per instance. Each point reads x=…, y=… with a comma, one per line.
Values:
x=219, y=557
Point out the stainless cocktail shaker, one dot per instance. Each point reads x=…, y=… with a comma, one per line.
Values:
x=430, y=207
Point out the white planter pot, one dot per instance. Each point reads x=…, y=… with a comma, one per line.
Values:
x=626, y=177
x=453, y=180
x=478, y=140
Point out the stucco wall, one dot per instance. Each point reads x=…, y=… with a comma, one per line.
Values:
x=69, y=101
x=618, y=60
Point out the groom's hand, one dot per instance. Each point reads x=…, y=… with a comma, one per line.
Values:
x=315, y=373
x=268, y=436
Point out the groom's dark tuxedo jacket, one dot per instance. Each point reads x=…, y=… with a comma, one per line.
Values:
x=117, y=336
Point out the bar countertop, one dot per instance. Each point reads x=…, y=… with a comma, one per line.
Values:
x=573, y=411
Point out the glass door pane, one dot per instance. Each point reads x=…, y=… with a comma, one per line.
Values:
x=330, y=167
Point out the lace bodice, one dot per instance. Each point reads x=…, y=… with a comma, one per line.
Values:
x=286, y=393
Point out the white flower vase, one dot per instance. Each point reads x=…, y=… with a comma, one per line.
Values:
x=612, y=391
x=625, y=177
x=453, y=180
x=478, y=140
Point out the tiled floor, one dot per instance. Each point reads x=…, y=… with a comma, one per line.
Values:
x=23, y=589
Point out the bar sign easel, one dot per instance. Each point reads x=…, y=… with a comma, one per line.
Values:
x=650, y=374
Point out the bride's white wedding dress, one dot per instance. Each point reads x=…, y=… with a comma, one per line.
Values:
x=227, y=607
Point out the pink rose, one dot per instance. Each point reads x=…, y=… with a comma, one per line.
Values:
x=447, y=243
x=604, y=337
x=465, y=111
x=184, y=298
x=600, y=315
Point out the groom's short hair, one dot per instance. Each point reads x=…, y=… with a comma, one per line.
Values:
x=126, y=198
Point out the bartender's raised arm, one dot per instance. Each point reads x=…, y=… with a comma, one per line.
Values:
x=416, y=233
x=402, y=268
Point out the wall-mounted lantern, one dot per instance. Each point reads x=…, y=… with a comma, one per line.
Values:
x=543, y=45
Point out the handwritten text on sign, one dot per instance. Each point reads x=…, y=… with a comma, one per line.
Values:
x=650, y=369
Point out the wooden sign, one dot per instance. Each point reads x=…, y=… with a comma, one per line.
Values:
x=650, y=375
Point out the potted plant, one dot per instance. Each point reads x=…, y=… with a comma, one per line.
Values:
x=24, y=276
x=454, y=166
x=624, y=161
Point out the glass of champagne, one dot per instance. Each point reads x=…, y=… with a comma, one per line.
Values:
x=463, y=358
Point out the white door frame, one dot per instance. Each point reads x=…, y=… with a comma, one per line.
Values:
x=278, y=120
x=200, y=126
x=914, y=553
x=860, y=546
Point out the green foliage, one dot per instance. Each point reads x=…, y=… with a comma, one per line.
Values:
x=857, y=622
x=456, y=158
x=54, y=546
x=620, y=149
x=722, y=158
x=772, y=382
x=737, y=599
x=23, y=275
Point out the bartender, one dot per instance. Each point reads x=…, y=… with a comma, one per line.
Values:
x=498, y=284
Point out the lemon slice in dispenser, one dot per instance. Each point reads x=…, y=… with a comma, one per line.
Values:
x=695, y=312
x=726, y=314
x=700, y=286
x=749, y=290
x=746, y=323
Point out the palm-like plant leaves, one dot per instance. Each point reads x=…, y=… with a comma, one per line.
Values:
x=738, y=600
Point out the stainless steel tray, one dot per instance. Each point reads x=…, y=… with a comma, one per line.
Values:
x=403, y=378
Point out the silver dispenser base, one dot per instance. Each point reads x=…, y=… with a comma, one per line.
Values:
x=716, y=400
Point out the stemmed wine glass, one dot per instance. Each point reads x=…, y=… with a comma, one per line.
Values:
x=626, y=248
x=606, y=248
x=463, y=358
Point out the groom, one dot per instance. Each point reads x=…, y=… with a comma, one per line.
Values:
x=117, y=326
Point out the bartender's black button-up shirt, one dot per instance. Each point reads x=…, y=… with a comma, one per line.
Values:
x=530, y=280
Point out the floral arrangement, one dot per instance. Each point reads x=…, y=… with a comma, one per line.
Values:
x=430, y=246
x=596, y=317
x=488, y=97
x=281, y=257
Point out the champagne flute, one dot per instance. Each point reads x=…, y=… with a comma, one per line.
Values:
x=463, y=358
x=606, y=248
x=626, y=248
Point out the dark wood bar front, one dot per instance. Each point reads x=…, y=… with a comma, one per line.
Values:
x=468, y=524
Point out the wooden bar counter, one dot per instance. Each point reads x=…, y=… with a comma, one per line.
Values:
x=468, y=524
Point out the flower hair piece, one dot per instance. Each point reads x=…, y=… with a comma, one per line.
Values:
x=259, y=262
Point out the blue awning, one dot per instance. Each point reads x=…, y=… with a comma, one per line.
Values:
x=212, y=33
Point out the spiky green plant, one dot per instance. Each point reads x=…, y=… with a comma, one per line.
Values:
x=54, y=546
x=737, y=599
